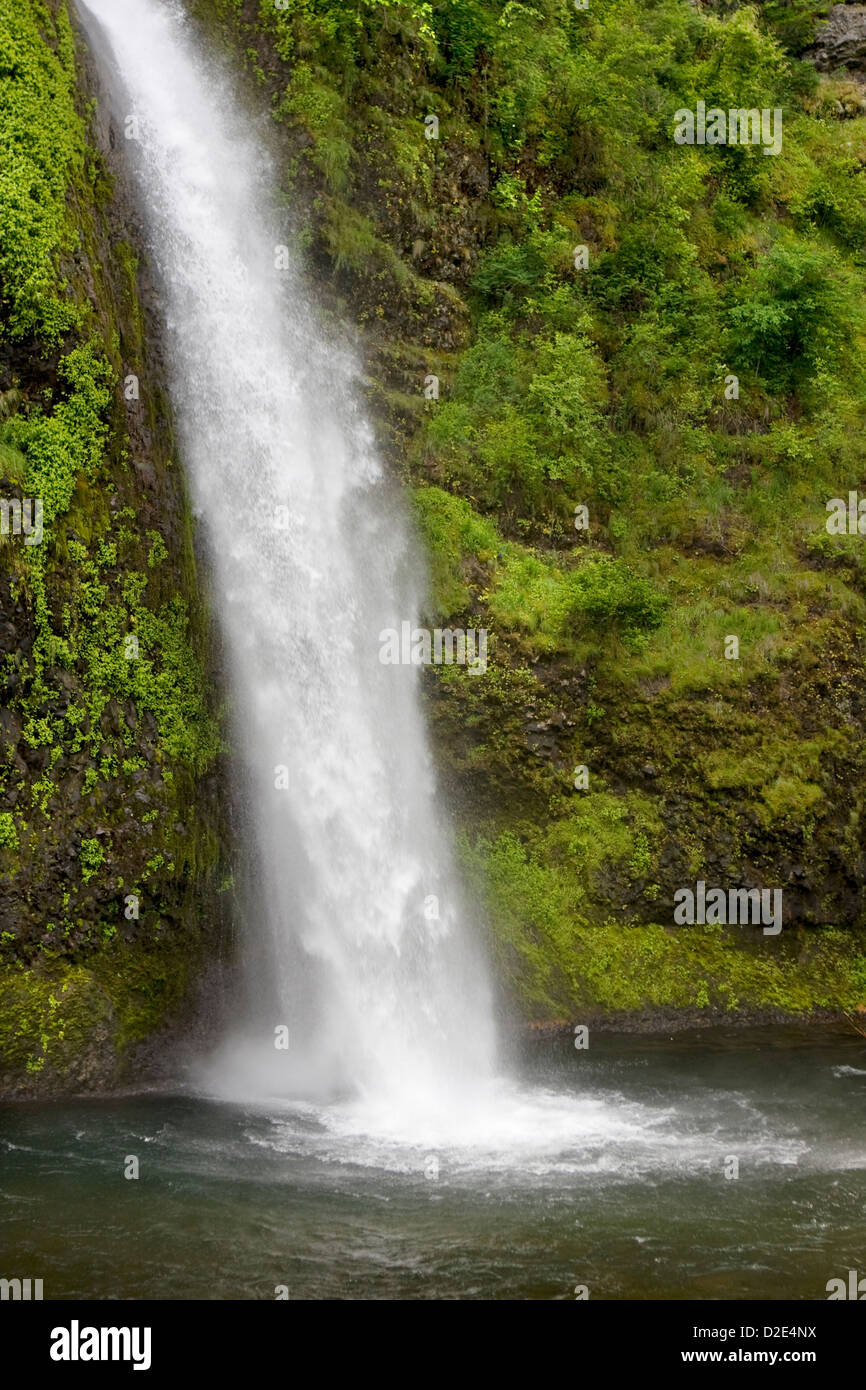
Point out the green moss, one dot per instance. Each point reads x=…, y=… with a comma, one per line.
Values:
x=92, y=857
x=8, y=833
x=72, y=1022
x=48, y=1020
x=147, y=985
x=108, y=684
x=561, y=386
x=604, y=386
x=554, y=607
x=558, y=963
x=601, y=829
x=322, y=110
x=787, y=777
x=455, y=537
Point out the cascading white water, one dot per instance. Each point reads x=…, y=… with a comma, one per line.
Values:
x=369, y=960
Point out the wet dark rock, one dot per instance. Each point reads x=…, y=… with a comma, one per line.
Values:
x=841, y=42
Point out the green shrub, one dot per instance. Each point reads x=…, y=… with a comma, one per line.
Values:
x=609, y=594
x=793, y=316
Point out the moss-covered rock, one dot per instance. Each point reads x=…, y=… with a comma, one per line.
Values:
x=111, y=843
x=586, y=291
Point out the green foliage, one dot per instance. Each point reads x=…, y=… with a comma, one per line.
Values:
x=69, y=441
x=560, y=965
x=794, y=21
x=322, y=110
x=604, y=387
x=92, y=857
x=455, y=536
x=8, y=832
x=795, y=317
x=41, y=152
x=94, y=714
x=351, y=238
x=608, y=593
x=158, y=550
x=555, y=606
x=560, y=387
x=465, y=30
x=522, y=419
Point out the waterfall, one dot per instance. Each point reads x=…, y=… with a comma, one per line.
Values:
x=362, y=950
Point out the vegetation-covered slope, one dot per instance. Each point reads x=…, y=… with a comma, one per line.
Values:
x=109, y=812
x=610, y=387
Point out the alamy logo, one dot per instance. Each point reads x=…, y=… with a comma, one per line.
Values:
x=23, y=1289
x=420, y=647
x=847, y=518
x=736, y=907
x=102, y=1344
x=19, y=515
x=856, y=1288
x=738, y=126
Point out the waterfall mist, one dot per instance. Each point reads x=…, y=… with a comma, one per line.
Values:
x=360, y=944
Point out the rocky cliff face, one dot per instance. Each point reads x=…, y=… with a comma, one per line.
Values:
x=841, y=41
x=111, y=812
x=560, y=308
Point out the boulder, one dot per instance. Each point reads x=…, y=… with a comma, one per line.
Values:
x=842, y=40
